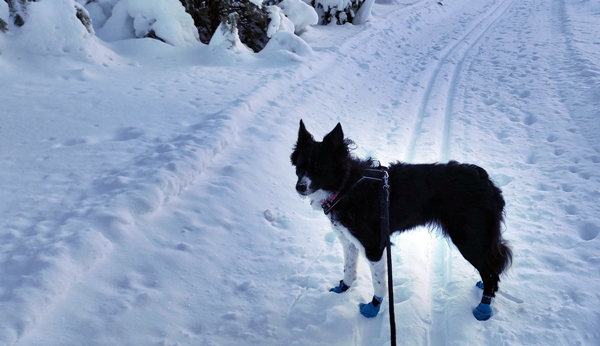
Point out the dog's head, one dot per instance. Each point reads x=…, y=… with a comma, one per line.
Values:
x=321, y=167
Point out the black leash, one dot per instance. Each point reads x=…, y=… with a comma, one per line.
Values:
x=379, y=175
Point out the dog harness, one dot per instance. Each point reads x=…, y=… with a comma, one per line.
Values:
x=375, y=175
x=371, y=174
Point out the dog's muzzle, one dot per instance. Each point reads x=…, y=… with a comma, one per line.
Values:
x=302, y=188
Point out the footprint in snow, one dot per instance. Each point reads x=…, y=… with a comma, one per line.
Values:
x=127, y=134
x=276, y=219
x=570, y=209
x=530, y=119
x=585, y=175
x=502, y=134
x=74, y=142
x=588, y=230
x=543, y=187
x=532, y=159
x=185, y=247
x=567, y=187
x=501, y=180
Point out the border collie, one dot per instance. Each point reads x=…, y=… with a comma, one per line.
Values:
x=459, y=199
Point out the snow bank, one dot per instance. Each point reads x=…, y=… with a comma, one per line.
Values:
x=364, y=12
x=292, y=16
x=42, y=267
x=279, y=22
x=299, y=13
x=226, y=37
x=4, y=11
x=285, y=46
x=162, y=19
x=53, y=29
x=99, y=10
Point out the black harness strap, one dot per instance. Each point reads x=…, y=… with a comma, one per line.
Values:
x=378, y=175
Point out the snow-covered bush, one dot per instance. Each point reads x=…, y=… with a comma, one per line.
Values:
x=279, y=21
x=56, y=28
x=300, y=14
x=165, y=20
x=226, y=36
x=18, y=10
x=285, y=46
x=3, y=16
x=168, y=21
x=84, y=17
x=343, y=11
x=258, y=20
x=252, y=23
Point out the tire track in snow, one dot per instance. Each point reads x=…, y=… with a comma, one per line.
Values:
x=440, y=253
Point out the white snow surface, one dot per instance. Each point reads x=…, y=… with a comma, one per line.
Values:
x=147, y=197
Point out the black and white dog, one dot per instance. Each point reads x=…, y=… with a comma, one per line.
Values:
x=460, y=199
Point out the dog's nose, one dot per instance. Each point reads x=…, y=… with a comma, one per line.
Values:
x=301, y=187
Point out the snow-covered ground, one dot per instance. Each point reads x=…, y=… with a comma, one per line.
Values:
x=147, y=198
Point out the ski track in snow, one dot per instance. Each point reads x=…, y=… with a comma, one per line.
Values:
x=427, y=130
x=466, y=81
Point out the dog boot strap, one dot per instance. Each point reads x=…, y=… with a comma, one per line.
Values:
x=372, y=309
x=342, y=287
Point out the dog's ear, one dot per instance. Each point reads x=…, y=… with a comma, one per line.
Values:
x=335, y=137
x=304, y=137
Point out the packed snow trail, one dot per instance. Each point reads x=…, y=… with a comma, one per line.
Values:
x=194, y=234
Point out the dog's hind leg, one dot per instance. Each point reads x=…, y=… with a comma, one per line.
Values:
x=483, y=311
x=379, y=278
x=350, y=264
x=473, y=251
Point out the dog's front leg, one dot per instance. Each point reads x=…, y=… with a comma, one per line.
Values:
x=379, y=278
x=350, y=264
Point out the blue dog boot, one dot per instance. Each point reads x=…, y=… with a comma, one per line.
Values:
x=342, y=287
x=479, y=284
x=483, y=311
x=372, y=309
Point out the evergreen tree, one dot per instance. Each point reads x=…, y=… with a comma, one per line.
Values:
x=337, y=15
x=252, y=20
